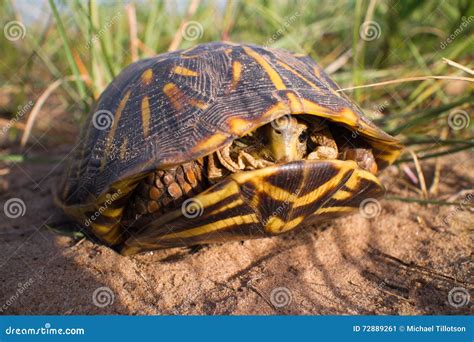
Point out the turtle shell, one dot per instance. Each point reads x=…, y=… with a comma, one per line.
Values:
x=179, y=106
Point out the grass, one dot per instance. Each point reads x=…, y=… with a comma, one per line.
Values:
x=88, y=43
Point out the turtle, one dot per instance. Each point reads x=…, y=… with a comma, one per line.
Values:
x=218, y=142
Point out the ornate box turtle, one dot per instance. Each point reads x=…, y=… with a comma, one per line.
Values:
x=221, y=141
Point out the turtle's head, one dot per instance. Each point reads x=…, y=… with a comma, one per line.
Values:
x=287, y=138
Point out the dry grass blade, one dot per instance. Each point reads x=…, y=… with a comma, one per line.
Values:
x=419, y=171
x=39, y=104
x=411, y=79
x=178, y=37
x=457, y=65
x=132, y=26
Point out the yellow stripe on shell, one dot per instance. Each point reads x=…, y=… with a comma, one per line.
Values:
x=231, y=205
x=111, y=135
x=322, y=190
x=276, y=225
x=147, y=76
x=297, y=74
x=179, y=70
x=145, y=111
x=295, y=103
x=334, y=210
x=272, y=73
x=173, y=94
x=239, y=126
x=211, y=143
x=212, y=227
x=236, y=73
x=124, y=148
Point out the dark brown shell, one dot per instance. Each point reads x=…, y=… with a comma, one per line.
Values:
x=183, y=105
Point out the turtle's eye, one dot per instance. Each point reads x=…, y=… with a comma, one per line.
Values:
x=303, y=136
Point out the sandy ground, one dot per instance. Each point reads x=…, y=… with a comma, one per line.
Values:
x=406, y=260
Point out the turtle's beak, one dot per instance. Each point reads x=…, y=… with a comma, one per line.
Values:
x=287, y=139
